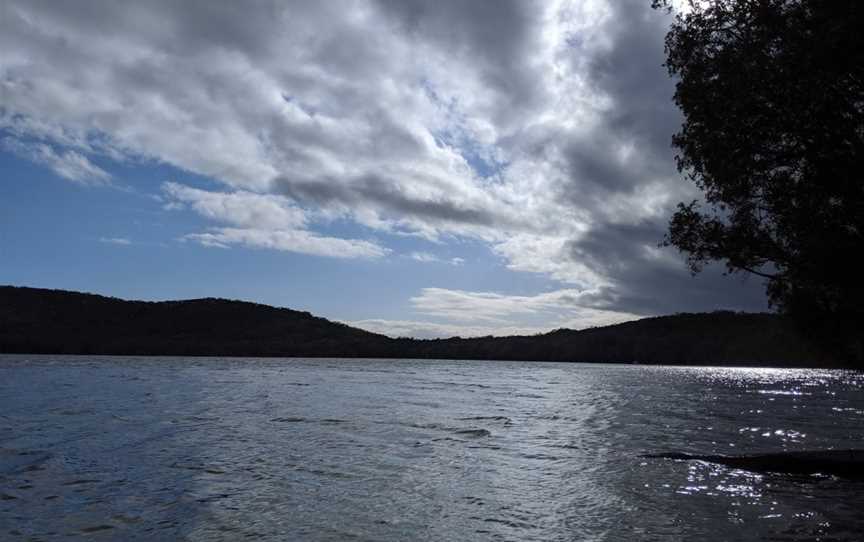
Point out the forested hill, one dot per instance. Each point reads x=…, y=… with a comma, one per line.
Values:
x=55, y=321
x=60, y=322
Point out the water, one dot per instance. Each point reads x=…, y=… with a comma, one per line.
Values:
x=231, y=449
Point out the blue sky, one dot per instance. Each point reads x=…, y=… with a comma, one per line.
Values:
x=120, y=240
x=462, y=169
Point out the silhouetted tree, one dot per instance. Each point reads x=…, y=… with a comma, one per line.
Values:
x=772, y=93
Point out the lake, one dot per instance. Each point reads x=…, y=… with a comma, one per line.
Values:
x=117, y=448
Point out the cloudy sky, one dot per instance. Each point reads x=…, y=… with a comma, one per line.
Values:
x=414, y=168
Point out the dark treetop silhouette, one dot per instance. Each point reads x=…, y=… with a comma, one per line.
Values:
x=57, y=322
x=772, y=93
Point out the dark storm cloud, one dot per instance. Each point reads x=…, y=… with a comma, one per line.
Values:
x=631, y=73
x=182, y=27
x=631, y=143
x=647, y=279
x=498, y=37
x=386, y=195
x=594, y=167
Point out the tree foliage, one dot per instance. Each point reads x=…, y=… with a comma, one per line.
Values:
x=35, y=321
x=772, y=93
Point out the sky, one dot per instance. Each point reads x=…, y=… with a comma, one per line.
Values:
x=415, y=168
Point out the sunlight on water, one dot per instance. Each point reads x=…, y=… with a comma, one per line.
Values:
x=204, y=449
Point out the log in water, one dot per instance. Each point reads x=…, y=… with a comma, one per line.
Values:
x=845, y=463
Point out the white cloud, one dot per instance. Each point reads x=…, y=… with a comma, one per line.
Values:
x=424, y=257
x=115, y=240
x=301, y=241
x=492, y=308
x=547, y=254
x=421, y=329
x=428, y=257
x=264, y=221
x=433, y=330
x=68, y=164
x=324, y=103
x=240, y=208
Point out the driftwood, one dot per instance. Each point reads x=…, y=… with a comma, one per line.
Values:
x=844, y=463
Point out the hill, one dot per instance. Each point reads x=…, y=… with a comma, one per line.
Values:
x=55, y=321
x=34, y=320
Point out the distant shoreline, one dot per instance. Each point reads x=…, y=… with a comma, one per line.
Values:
x=360, y=358
x=37, y=321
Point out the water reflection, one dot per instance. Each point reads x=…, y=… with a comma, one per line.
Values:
x=107, y=437
x=384, y=450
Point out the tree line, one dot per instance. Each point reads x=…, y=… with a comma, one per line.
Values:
x=39, y=321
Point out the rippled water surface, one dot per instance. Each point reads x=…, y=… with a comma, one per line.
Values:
x=230, y=449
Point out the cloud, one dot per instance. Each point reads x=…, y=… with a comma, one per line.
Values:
x=424, y=257
x=432, y=330
x=301, y=241
x=68, y=164
x=427, y=203
x=427, y=257
x=540, y=129
x=239, y=208
x=263, y=221
x=115, y=241
x=646, y=279
x=559, y=306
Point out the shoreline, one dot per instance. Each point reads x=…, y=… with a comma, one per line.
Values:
x=431, y=359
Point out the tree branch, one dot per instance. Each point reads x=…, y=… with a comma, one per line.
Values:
x=760, y=273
